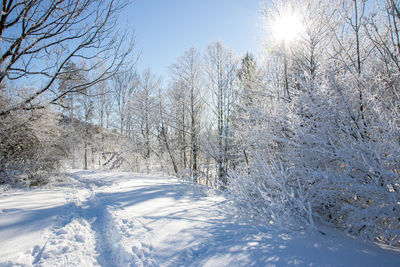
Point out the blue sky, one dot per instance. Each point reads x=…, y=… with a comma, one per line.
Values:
x=166, y=28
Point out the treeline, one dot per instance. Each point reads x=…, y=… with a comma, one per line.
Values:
x=182, y=125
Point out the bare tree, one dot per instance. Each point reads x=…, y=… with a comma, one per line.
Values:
x=70, y=77
x=163, y=128
x=354, y=14
x=145, y=107
x=178, y=118
x=383, y=29
x=71, y=102
x=221, y=73
x=187, y=75
x=38, y=38
x=318, y=18
x=125, y=86
x=87, y=115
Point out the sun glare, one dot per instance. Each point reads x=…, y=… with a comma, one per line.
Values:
x=287, y=27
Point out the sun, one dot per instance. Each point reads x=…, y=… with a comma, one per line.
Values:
x=287, y=27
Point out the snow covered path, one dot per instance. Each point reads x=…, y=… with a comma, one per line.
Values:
x=121, y=219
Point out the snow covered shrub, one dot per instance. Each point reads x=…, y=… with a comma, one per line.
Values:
x=320, y=158
x=269, y=187
x=269, y=193
x=352, y=154
x=30, y=146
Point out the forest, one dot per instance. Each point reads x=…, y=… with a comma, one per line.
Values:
x=305, y=134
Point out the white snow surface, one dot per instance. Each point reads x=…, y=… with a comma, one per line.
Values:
x=120, y=219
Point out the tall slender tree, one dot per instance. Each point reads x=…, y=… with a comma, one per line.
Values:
x=221, y=73
x=187, y=74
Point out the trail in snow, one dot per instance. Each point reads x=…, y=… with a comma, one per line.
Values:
x=121, y=219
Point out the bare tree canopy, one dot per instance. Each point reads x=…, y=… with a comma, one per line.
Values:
x=38, y=37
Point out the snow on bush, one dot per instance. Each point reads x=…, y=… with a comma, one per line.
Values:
x=30, y=145
x=317, y=159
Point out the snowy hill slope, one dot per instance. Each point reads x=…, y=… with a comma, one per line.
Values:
x=121, y=219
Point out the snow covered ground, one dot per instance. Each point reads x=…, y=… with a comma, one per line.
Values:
x=121, y=219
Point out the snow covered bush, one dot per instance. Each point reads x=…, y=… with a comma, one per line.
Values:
x=317, y=160
x=30, y=145
x=321, y=137
x=348, y=159
x=269, y=193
